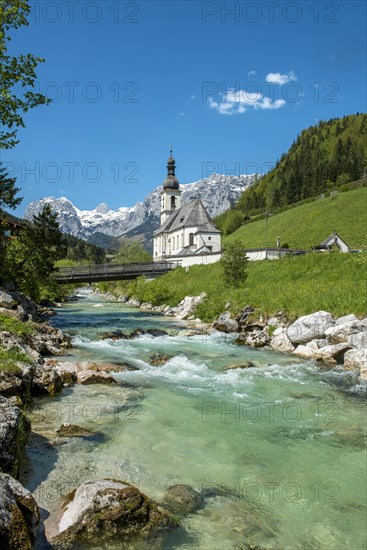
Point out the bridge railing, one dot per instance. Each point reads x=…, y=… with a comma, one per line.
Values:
x=108, y=270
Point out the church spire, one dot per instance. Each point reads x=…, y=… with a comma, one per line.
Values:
x=171, y=182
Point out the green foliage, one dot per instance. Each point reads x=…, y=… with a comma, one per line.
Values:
x=15, y=71
x=234, y=264
x=8, y=191
x=311, y=223
x=298, y=285
x=30, y=258
x=328, y=154
x=132, y=252
x=79, y=251
x=11, y=324
x=229, y=221
x=9, y=359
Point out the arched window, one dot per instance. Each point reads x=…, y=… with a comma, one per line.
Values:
x=173, y=203
x=173, y=243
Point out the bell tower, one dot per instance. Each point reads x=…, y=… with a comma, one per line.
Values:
x=171, y=193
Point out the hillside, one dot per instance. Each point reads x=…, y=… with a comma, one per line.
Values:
x=323, y=157
x=309, y=224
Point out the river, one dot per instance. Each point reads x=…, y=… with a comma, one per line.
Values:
x=277, y=450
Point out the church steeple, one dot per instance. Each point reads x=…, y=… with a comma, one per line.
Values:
x=171, y=182
x=171, y=193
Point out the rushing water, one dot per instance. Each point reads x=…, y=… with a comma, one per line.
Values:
x=277, y=451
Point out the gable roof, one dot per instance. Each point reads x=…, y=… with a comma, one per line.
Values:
x=192, y=214
x=332, y=237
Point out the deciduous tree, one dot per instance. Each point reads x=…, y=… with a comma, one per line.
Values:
x=17, y=74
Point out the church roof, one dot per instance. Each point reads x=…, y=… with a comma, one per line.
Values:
x=192, y=214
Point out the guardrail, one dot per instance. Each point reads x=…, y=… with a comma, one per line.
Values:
x=110, y=272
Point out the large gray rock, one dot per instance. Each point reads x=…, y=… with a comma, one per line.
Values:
x=188, y=305
x=358, y=340
x=343, y=331
x=26, y=309
x=309, y=327
x=19, y=516
x=14, y=429
x=281, y=342
x=46, y=380
x=6, y=300
x=224, y=323
x=334, y=354
x=356, y=359
x=182, y=498
x=101, y=509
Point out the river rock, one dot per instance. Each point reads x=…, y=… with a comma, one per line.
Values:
x=93, y=377
x=358, y=340
x=100, y=509
x=188, y=305
x=156, y=332
x=6, y=300
x=224, y=323
x=255, y=338
x=342, y=332
x=72, y=430
x=158, y=359
x=19, y=515
x=281, y=342
x=243, y=365
x=14, y=430
x=114, y=335
x=356, y=359
x=46, y=380
x=182, y=499
x=309, y=327
x=334, y=354
x=146, y=306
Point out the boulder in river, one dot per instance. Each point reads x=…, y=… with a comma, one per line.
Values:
x=46, y=380
x=14, y=430
x=182, y=498
x=309, y=327
x=19, y=515
x=72, y=430
x=93, y=377
x=224, y=323
x=157, y=359
x=99, y=510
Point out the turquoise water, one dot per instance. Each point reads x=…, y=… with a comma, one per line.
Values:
x=277, y=450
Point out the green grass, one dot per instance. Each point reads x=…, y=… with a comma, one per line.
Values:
x=311, y=223
x=298, y=285
x=9, y=359
x=15, y=326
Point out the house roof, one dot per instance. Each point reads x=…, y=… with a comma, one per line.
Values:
x=187, y=251
x=192, y=214
x=332, y=236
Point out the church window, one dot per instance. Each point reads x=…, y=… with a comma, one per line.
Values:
x=191, y=239
x=173, y=203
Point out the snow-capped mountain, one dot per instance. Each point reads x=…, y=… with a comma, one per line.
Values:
x=217, y=193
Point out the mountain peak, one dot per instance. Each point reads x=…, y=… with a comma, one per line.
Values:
x=217, y=192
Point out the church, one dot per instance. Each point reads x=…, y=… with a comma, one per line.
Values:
x=187, y=234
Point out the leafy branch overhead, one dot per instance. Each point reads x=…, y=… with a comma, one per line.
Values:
x=17, y=75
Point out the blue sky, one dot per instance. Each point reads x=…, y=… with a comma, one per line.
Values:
x=229, y=84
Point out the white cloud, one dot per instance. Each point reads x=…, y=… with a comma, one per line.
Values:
x=251, y=73
x=193, y=96
x=181, y=114
x=277, y=78
x=237, y=102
